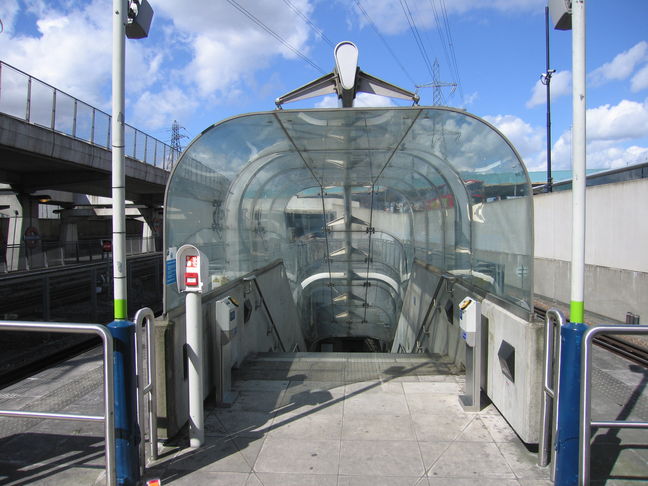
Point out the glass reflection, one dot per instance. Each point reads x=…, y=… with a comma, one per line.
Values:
x=348, y=198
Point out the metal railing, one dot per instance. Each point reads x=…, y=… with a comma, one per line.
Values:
x=554, y=320
x=586, y=397
x=109, y=415
x=145, y=323
x=38, y=103
x=46, y=254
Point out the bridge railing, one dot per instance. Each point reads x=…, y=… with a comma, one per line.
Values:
x=30, y=99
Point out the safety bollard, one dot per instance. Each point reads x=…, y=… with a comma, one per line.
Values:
x=127, y=434
x=568, y=417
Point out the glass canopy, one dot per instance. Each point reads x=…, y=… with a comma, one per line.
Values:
x=348, y=198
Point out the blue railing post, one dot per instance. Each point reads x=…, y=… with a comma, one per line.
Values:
x=127, y=434
x=568, y=418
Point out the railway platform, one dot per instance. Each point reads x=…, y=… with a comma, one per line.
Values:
x=323, y=419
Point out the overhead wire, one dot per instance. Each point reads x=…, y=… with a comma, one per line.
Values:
x=384, y=41
x=283, y=41
x=447, y=42
x=417, y=36
x=308, y=21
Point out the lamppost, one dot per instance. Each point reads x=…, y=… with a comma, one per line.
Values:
x=570, y=14
x=131, y=18
x=545, y=79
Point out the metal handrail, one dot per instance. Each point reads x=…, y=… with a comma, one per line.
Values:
x=109, y=402
x=91, y=138
x=146, y=390
x=554, y=319
x=586, y=397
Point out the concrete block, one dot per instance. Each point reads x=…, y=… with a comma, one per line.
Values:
x=518, y=401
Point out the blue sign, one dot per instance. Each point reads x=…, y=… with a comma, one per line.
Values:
x=170, y=272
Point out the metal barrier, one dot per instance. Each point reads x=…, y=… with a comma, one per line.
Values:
x=109, y=414
x=586, y=397
x=554, y=319
x=146, y=391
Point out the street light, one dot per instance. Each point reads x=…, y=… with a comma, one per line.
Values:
x=131, y=18
x=570, y=468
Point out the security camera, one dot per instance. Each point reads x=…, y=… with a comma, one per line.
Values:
x=140, y=14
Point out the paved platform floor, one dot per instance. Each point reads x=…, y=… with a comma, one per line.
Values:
x=322, y=419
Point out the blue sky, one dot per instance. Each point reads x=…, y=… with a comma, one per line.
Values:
x=205, y=61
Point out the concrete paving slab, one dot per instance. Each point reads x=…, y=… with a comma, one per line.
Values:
x=439, y=427
x=380, y=458
x=377, y=427
x=522, y=462
x=280, y=455
x=472, y=460
x=384, y=403
x=275, y=479
x=307, y=426
x=382, y=481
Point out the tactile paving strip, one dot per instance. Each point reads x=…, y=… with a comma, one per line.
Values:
x=636, y=399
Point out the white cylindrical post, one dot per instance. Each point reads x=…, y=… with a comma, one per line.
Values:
x=578, y=163
x=194, y=354
x=118, y=178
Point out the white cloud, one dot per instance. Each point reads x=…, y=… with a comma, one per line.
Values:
x=157, y=110
x=372, y=100
x=560, y=86
x=601, y=154
x=73, y=49
x=622, y=66
x=226, y=47
x=362, y=100
x=627, y=120
x=328, y=101
x=8, y=10
x=640, y=80
x=526, y=139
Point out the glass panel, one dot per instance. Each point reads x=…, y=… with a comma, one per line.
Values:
x=84, y=121
x=64, y=117
x=348, y=198
x=13, y=92
x=42, y=99
x=140, y=145
x=130, y=141
x=102, y=129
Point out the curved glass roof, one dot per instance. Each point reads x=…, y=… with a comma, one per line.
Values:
x=348, y=198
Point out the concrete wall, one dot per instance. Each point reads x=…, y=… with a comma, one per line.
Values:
x=519, y=399
x=255, y=335
x=615, y=254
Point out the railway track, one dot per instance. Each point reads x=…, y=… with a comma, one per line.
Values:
x=635, y=353
x=65, y=295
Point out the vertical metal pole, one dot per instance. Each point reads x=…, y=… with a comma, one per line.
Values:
x=568, y=419
x=194, y=353
x=118, y=179
x=577, y=310
x=92, y=130
x=53, y=120
x=109, y=407
x=125, y=401
x=74, y=119
x=28, y=107
x=127, y=432
x=548, y=83
x=586, y=399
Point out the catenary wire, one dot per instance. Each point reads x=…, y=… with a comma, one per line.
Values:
x=417, y=36
x=260, y=24
x=384, y=41
x=315, y=28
